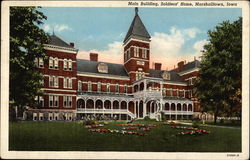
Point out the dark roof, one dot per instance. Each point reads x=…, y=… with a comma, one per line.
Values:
x=173, y=75
x=137, y=28
x=191, y=65
x=56, y=41
x=91, y=67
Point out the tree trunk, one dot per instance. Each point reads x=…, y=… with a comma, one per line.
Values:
x=216, y=115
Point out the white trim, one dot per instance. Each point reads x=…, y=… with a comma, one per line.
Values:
x=61, y=49
x=46, y=75
x=60, y=94
x=188, y=71
x=96, y=75
x=133, y=39
x=63, y=90
x=140, y=59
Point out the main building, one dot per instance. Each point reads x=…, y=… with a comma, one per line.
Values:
x=77, y=89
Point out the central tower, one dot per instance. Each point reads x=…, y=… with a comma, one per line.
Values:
x=137, y=49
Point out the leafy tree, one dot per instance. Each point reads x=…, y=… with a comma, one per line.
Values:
x=26, y=44
x=218, y=87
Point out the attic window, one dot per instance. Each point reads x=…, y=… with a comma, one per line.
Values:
x=166, y=75
x=102, y=68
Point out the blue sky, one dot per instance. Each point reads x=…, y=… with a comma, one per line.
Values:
x=177, y=33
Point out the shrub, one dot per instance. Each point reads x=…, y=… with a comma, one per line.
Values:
x=196, y=123
x=146, y=118
x=89, y=122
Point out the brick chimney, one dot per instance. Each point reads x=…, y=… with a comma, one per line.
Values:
x=93, y=57
x=181, y=66
x=71, y=44
x=157, y=66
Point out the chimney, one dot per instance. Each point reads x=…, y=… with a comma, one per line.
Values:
x=181, y=66
x=93, y=57
x=157, y=66
x=71, y=44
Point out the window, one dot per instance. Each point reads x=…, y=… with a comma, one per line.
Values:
x=89, y=86
x=51, y=101
x=117, y=88
x=56, y=63
x=136, y=51
x=99, y=86
x=171, y=92
x=70, y=82
x=128, y=53
x=42, y=82
x=65, y=82
x=51, y=62
x=55, y=101
x=41, y=64
x=70, y=65
x=125, y=56
x=79, y=85
x=184, y=92
x=50, y=81
x=55, y=81
x=65, y=64
x=108, y=87
x=144, y=53
x=125, y=88
x=136, y=75
x=67, y=101
x=41, y=101
x=177, y=92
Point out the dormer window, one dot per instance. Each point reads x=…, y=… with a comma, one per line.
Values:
x=102, y=68
x=166, y=75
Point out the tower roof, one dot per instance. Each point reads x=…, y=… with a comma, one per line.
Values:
x=137, y=29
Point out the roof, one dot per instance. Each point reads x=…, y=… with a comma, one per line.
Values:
x=91, y=67
x=191, y=65
x=174, y=76
x=56, y=41
x=137, y=28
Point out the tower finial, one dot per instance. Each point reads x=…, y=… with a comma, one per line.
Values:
x=136, y=10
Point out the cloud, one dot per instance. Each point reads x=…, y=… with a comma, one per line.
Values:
x=167, y=48
x=56, y=27
x=113, y=54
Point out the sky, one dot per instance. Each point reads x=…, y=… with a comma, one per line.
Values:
x=176, y=33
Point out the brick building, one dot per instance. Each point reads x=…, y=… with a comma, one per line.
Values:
x=76, y=88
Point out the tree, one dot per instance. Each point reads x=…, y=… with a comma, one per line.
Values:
x=26, y=44
x=218, y=87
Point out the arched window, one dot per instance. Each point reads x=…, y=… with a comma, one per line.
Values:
x=56, y=63
x=51, y=62
x=136, y=75
x=117, y=88
x=70, y=65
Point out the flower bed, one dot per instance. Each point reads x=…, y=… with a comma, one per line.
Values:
x=194, y=132
x=94, y=126
x=181, y=127
x=123, y=132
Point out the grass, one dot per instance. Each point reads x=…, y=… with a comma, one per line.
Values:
x=72, y=136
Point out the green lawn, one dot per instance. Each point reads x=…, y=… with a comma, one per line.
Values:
x=72, y=136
